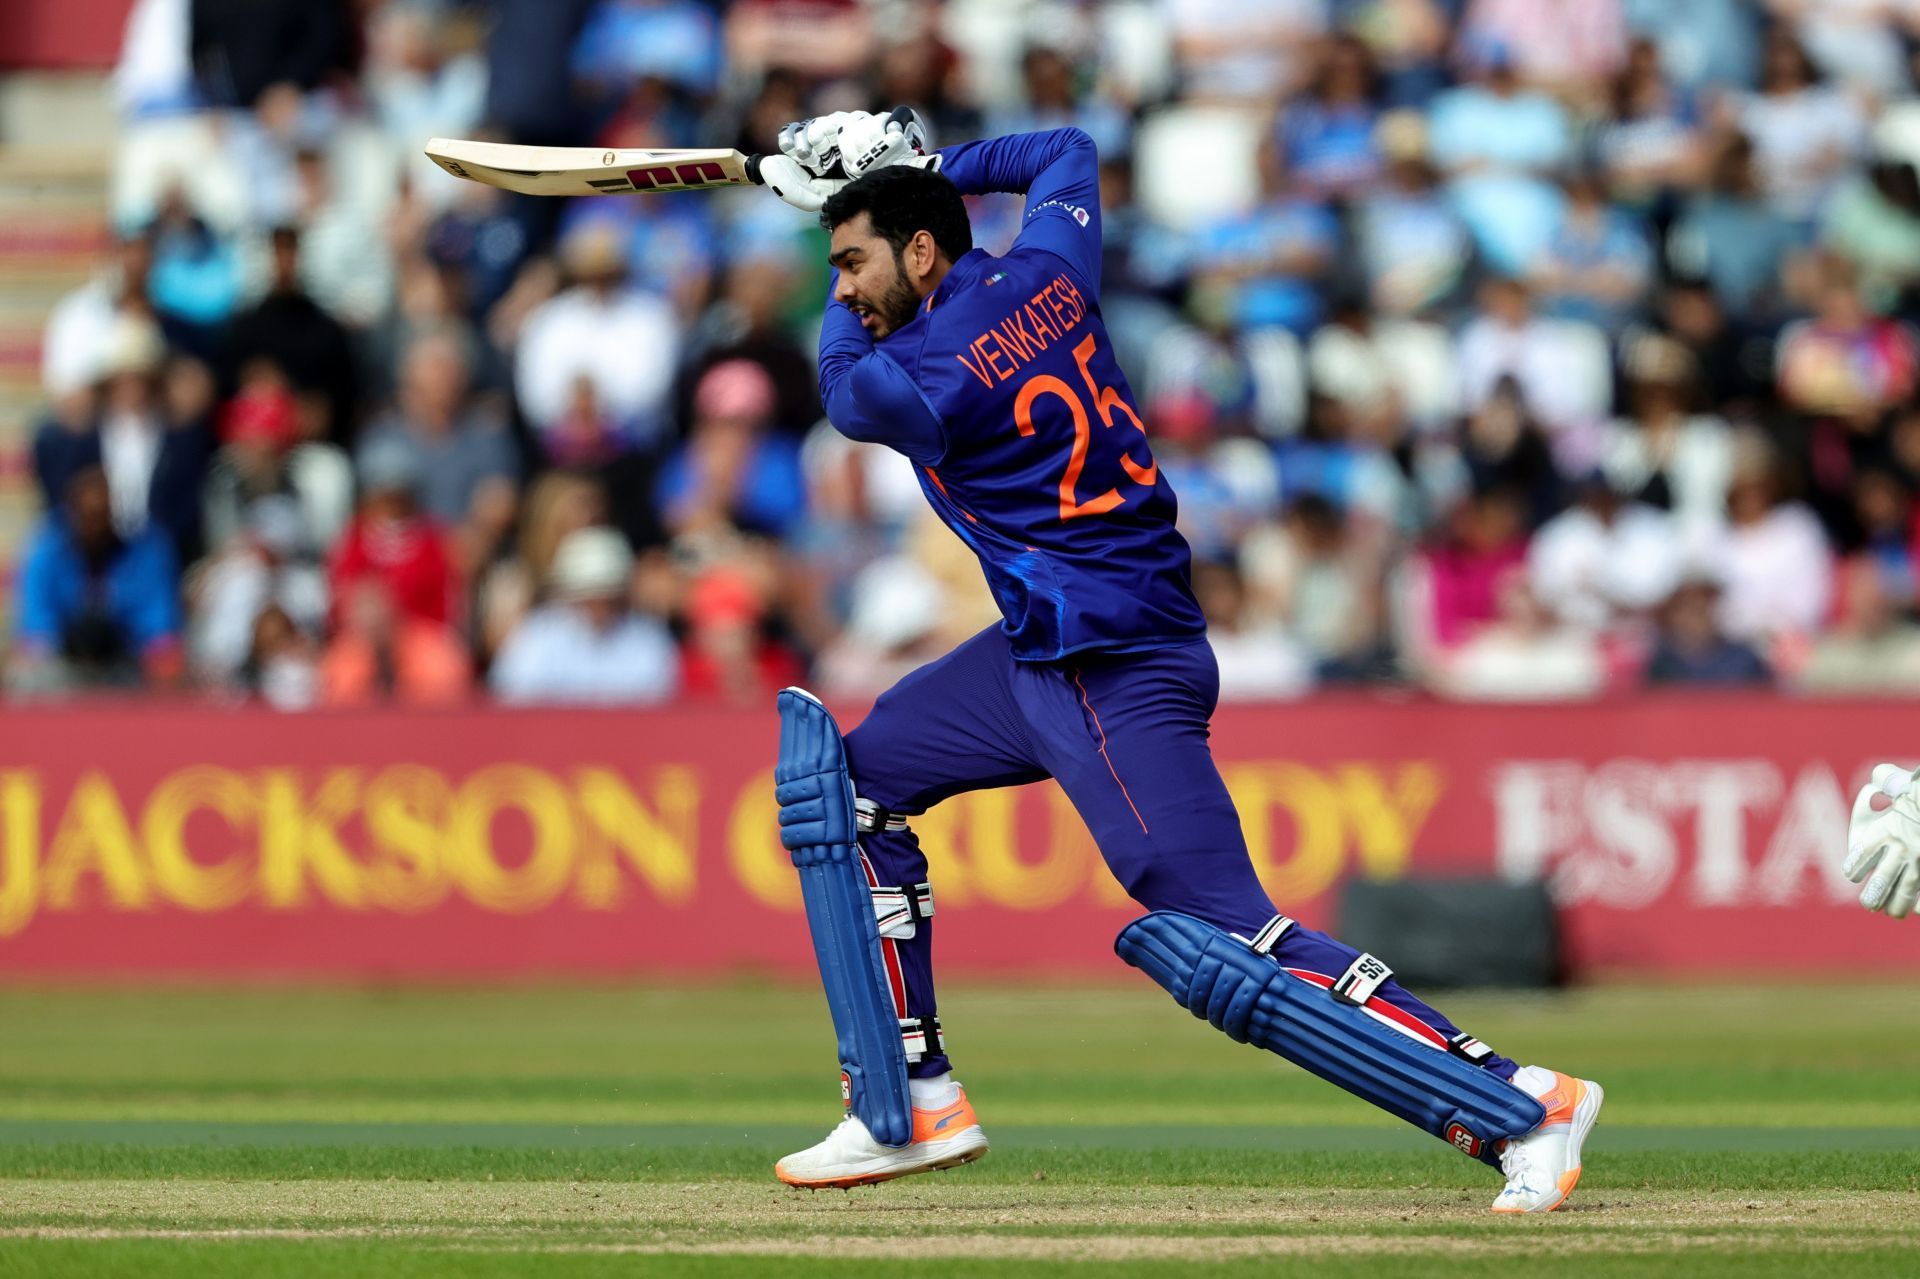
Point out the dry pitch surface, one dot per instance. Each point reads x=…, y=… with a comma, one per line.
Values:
x=617, y=1132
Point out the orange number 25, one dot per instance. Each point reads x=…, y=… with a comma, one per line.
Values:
x=1105, y=401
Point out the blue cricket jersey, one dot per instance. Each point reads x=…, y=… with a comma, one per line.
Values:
x=1004, y=391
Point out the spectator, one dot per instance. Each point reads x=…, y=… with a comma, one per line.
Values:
x=1860, y=44
x=1244, y=52
x=557, y=504
x=1054, y=99
x=622, y=341
x=1663, y=454
x=283, y=667
x=1872, y=649
x=1846, y=362
x=1733, y=236
x=466, y=462
x=746, y=322
x=1703, y=43
x=1603, y=561
x=1692, y=650
x=730, y=656
x=264, y=453
x=1572, y=48
x=732, y=473
x=1455, y=584
x=1264, y=268
x=1523, y=654
x=81, y=329
x=298, y=335
x=1652, y=145
x=1596, y=267
x=1559, y=367
x=1504, y=448
x=271, y=567
x=1256, y=661
x=1873, y=223
x=1413, y=250
x=1804, y=133
x=391, y=542
x=381, y=654
x=587, y=644
x=1308, y=578
x=1498, y=142
x=1327, y=136
x=96, y=609
x=150, y=437
x=195, y=280
x=1772, y=557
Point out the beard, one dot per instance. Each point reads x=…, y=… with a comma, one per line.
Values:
x=894, y=309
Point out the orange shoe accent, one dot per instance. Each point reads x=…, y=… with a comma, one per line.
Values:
x=1568, y=1180
x=938, y=1125
x=1560, y=1100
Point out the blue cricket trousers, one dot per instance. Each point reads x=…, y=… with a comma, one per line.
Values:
x=1125, y=735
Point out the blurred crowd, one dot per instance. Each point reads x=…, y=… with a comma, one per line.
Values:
x=1501, y=348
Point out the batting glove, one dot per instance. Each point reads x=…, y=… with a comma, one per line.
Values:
x=1885, y=845
x=814, y=144
x=876, y=141
x=784, y=176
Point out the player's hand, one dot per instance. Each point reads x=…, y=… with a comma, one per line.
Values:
x=786, y=178
x=1883, y=847
x=814, y=144
x=876, y=141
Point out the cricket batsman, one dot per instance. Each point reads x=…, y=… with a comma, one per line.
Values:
x=996, y=377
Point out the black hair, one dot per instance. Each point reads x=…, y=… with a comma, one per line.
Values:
x=901, y=201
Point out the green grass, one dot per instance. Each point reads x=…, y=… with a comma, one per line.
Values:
x=561, y=1132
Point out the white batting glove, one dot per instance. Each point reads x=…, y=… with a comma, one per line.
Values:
x=876, y=141
x=784, y=176
x=814, y=144
x=1886, y=844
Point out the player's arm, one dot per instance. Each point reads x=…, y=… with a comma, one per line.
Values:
x=868, y=396
x=1059, y=173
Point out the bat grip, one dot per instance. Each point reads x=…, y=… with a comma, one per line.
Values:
x=753, y=171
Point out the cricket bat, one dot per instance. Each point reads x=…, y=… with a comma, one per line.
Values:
x=590, y=171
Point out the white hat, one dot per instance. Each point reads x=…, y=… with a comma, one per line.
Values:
x=591, y=562
x=133, y=344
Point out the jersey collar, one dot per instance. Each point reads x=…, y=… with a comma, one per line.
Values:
x=964, y=272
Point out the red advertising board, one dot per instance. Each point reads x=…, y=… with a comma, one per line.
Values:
x=1687, y=835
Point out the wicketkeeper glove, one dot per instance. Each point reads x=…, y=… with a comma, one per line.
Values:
x=1886, y=844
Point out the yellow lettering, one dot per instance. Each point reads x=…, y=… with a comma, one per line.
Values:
x=94, y=837
x=1001, y=875
x=176, y=873
x=659, y=843
x=1314, y=807
x=489, y=883
x=760, y=864
x=406, y=816
x=298, y=835
x=1386, y=820
x=19, y=849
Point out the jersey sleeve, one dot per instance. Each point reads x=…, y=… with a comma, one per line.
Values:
x=870, y=397
x=1059, y=173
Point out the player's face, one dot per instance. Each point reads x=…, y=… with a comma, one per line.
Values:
x=873, y=284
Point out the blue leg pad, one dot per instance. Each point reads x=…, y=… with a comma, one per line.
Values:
x=817, y=825
x=1222, y=980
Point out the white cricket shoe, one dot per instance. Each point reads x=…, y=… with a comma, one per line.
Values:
x=943, y=1137
x=1543, y=1167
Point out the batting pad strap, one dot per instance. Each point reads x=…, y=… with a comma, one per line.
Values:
x=1253, y=1000
x=1270, y=934
x=1466, y=1046
x=870, y=817
x=920, y=1036
x=898, y=911
x=1363, y=976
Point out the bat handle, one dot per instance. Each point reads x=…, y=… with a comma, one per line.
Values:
x=753, y=171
